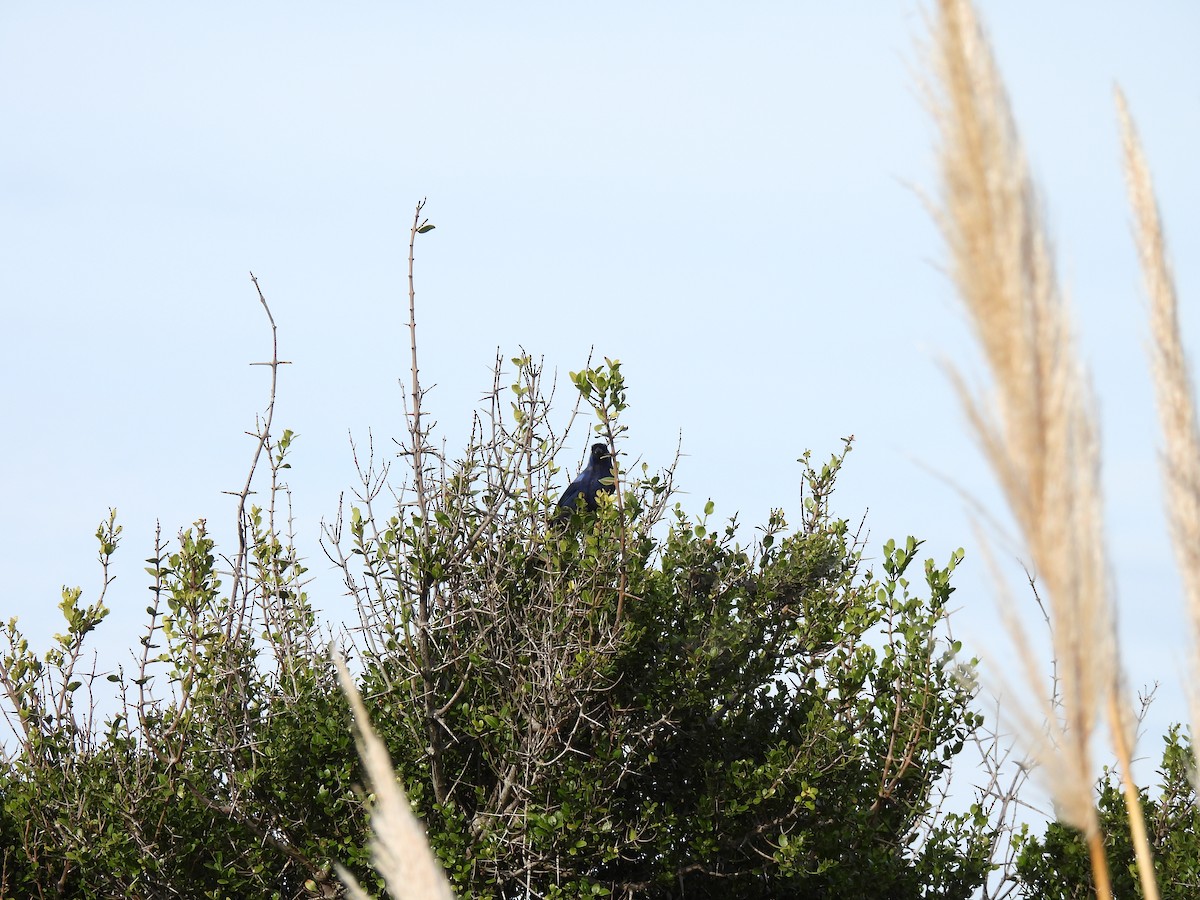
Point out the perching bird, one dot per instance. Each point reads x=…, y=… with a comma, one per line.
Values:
x=588, y=482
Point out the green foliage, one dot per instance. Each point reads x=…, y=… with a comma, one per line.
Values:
x=227, y=770
x=1055, y=866
x=636, y=704
x=641, y=704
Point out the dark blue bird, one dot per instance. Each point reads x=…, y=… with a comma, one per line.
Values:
x=588, y=483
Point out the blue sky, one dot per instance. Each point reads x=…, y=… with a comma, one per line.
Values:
x=726, y=197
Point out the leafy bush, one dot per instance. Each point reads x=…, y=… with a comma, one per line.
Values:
x=598, y=710
x=1055, y=865
x=626, y=703
x=622, y=702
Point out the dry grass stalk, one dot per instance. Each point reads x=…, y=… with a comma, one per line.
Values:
x=1037, y=426
x=398, y=846
x=1172, y=384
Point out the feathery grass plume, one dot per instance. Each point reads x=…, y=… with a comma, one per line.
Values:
x=398, y=845
x=1176, y=407
x=1037, y=426
x=1172, y=384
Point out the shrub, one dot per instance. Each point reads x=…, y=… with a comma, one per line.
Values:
x=630, y=702
x=1055, y=865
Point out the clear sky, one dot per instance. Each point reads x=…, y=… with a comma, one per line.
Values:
x=726, y=197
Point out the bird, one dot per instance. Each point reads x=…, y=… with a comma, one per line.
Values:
x=588, y=482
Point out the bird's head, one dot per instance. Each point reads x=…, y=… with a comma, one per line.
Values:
x=600, y=453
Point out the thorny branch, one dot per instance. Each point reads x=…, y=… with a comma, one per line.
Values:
x=263, y=436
